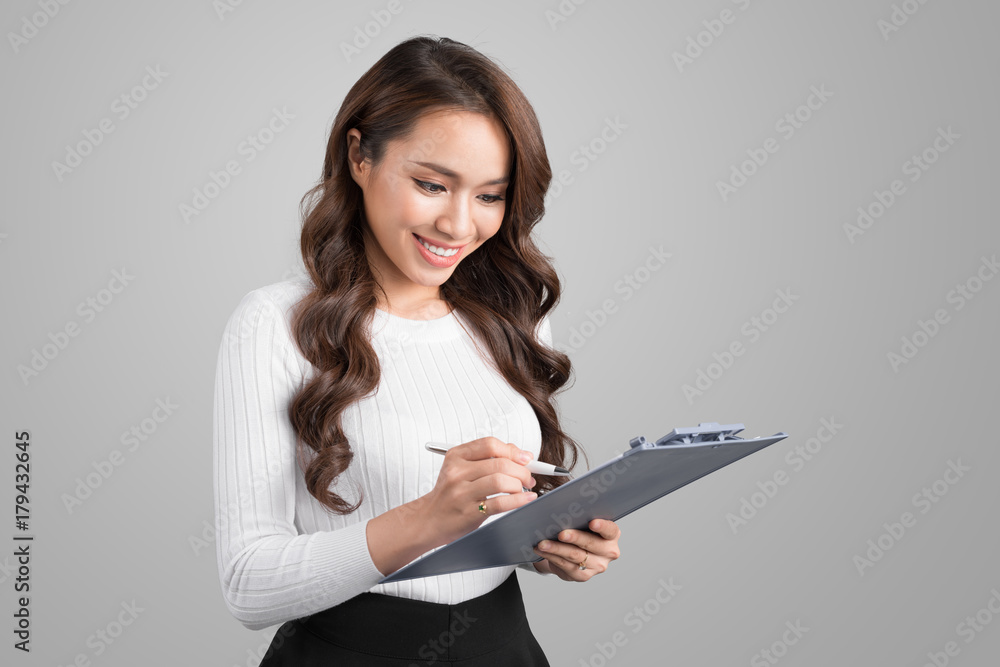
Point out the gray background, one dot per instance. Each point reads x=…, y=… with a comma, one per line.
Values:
x=136, y=537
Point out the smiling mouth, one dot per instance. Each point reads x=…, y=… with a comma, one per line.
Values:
x=438, y=250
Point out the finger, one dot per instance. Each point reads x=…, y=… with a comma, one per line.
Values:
x=475, y=470
x=494, y=483
x=568, y=552
x=591, y=542
x=570, y=568
x=500, y=504
x=490, y=447
x=543, y=566
x=559, y=566
x=609, y=530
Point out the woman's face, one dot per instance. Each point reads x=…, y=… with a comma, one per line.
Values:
x=445, y=185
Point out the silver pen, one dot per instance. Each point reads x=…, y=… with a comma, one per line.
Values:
x=536, y=467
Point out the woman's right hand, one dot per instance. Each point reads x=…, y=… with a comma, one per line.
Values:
x=471, y=472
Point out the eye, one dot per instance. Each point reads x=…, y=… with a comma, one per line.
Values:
x=428, y=186
x=436, y=188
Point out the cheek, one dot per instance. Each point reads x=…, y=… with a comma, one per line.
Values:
x=405, y=206
x=493, y=222
x=385, y=199
x=415, y=209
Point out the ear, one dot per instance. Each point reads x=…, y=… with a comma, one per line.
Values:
x=360, y=168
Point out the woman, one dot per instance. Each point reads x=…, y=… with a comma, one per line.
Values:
x=424, y=318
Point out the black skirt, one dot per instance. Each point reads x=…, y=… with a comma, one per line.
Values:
x=384, y=630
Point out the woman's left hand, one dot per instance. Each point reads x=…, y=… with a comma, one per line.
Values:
x=595, y=548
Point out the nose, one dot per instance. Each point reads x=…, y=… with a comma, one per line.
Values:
x=456, y=220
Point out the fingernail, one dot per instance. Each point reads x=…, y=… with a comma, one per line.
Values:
x=524, y=457
x=544, y=545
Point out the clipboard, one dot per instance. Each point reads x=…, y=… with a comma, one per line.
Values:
x=645, y=472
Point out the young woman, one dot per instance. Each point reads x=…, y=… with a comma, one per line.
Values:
x=424, y=317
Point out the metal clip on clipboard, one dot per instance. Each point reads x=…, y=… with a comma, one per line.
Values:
x=694, y=435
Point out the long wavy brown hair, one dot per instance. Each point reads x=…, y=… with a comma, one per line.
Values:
x=503, y=290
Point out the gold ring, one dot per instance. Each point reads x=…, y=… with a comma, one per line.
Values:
x=482, y=507
x=583, y=565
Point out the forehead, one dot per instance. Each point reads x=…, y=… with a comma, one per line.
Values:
x=470, y=144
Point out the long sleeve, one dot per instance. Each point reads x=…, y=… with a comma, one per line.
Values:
x=270, y=573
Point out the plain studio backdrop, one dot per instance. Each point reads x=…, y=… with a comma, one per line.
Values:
x=775, y=213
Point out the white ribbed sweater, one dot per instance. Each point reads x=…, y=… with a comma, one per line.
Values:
x=281, y=554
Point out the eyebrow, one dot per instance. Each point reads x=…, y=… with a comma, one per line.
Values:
x=444, y=171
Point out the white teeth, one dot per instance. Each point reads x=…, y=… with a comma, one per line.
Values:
x=441, y=252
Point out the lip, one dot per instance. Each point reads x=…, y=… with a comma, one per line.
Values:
x=435, y=260
x=438, y=243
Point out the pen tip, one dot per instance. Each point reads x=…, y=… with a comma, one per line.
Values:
x=561, y=471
